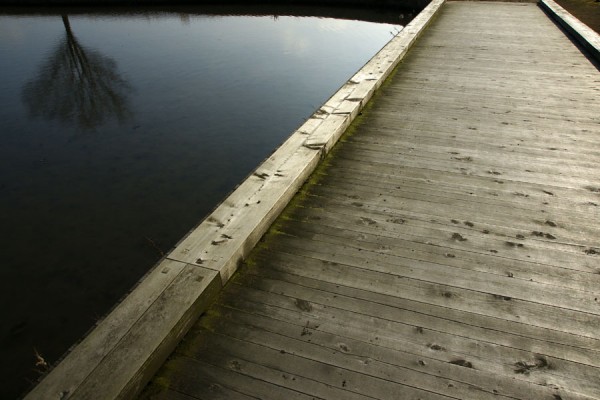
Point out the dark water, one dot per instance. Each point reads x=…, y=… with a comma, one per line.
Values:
x=119, y=133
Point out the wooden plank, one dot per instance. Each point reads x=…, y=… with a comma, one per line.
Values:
x=514, y=108
x=348, y=281
x=468, y=147
x=153, y=337
x=567, y=254
x=575, y=235
x=415, y=335
x=586, y=36
x=491, y=303
x=447, y=247
x=383, y=251
x=499, y=122
x=168, y=395
x=491, y=179
x=184, y=382
x=408, y=251
x=464, y=129
x=526, y=199
x=547, y=67
x=231, y=231
x=358, y=354
x=586, y=199
x=457, y=144
x=459, y=126
x=353, y=370
x=493, y=70
x=85, y=360
x=321, y=379
x=504, y=168
x=116, y=359
x=454, y=58
x=226, y=372
x=277, y=366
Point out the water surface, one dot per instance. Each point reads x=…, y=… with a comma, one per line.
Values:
x=121, y=132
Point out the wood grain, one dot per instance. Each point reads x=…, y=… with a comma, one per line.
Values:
x=448, y=247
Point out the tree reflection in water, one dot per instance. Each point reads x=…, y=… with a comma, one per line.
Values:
x=78, y=85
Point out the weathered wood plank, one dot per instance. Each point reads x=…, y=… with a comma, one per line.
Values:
x=414, y=252
x=490, y=303
x=356, y=372
x=544, y=160
x=449, y=246
x=287, y=365
x=503, y=169
x=585, y=198
x=415, y=335
x=119, y=334
x=159, y=329
x=492, y=179
x=586, y=36
x=356, y=211
x=349, y=281
x=469, y=149
x=170, y=395
x=358, y=354
x=528, y=199
x=530, y=223
x=231, y=231
x=226, y=372
x=463, y=119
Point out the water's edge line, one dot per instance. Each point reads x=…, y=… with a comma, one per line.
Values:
x=121, y=354
x=588, y=38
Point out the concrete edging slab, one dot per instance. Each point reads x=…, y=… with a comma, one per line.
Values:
x=588, y=38
x=125, y=349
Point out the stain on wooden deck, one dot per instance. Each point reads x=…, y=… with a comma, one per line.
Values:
x=449, y=247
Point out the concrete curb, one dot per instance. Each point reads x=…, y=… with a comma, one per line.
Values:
x=588, y=38
x=119, y=356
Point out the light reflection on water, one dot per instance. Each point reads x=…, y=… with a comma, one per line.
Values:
x=119, y=134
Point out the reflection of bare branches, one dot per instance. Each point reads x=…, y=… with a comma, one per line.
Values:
x=77, y=84
x=185, y=18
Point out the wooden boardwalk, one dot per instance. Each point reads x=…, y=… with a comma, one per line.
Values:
x=449, y=246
